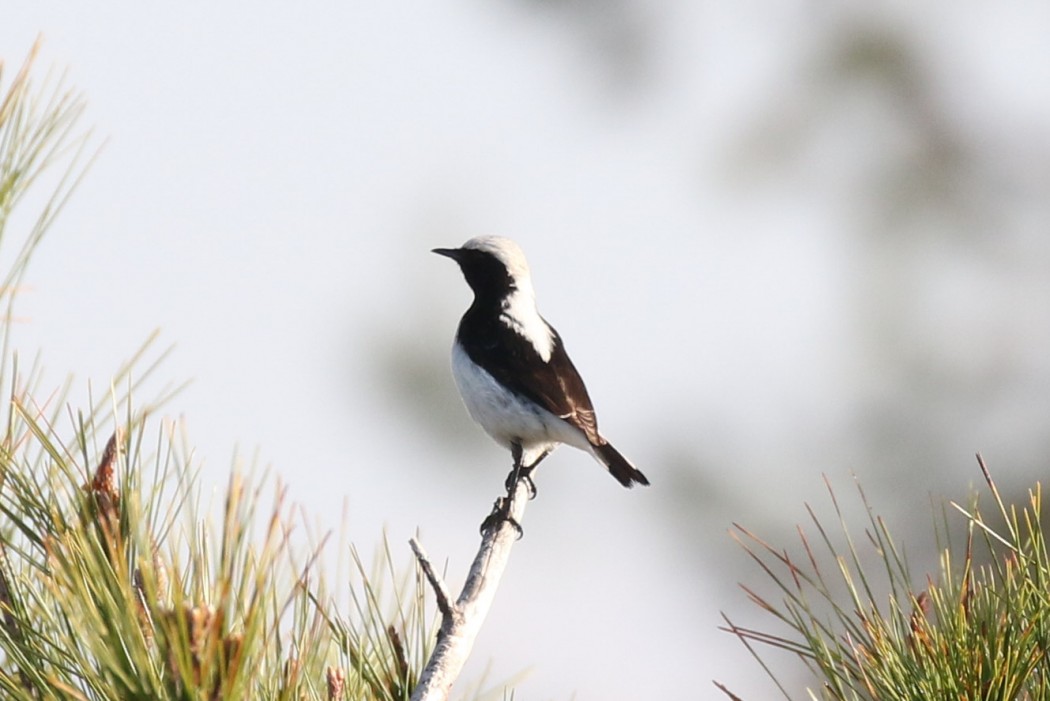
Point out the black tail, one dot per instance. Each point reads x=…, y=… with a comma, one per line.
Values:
x=619, y=466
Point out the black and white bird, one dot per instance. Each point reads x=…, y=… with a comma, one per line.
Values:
x=512, y=369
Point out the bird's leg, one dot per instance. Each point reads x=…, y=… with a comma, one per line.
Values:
x=500, y=513
x=521, y=471
x=526, y=473
x=501, y=509
x=515, y=471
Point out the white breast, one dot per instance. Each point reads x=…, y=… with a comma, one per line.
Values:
x=506, y=417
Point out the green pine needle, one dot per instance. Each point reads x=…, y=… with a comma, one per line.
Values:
x=113, y=582
x=977, y=629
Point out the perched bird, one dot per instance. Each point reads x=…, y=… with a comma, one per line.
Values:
x=512, y=369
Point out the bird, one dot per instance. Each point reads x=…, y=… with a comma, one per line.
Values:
x=512, y=371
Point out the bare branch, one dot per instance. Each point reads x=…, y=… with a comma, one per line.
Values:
x=444, y=598
x=462, y=621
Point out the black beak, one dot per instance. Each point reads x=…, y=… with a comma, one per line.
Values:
x=452, y=253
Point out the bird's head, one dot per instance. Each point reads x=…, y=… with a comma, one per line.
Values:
x=492, y=265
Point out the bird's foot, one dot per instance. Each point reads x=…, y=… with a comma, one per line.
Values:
x=501, y=513
x=521, y=474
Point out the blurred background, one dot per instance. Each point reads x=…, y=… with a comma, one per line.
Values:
x=782, y=241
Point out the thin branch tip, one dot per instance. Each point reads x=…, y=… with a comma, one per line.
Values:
x=441, y=593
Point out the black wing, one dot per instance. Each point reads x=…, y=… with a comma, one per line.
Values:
x=512, y=360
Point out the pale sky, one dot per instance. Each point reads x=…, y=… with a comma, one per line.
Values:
x=711, y=216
